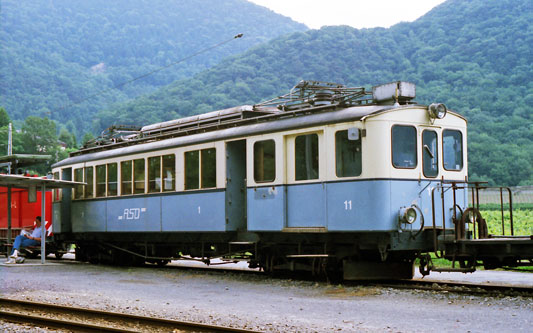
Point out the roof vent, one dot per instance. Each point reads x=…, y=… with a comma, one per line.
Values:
x=389, y=93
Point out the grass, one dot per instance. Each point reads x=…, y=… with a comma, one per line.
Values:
x=522, y=221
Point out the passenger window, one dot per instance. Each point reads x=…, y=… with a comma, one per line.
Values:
x=306, y=157
x=347, y=155
x=169, y=172
x=57, y=191
x=264, y=161
x=112, y=179
x=100, y=180
x=138, y=174
x=154, y=174
x=126, y=178
x=192, y=176
x=430, y=156
x=404, y=147
x=200, y=166
x=89, y=180
x=78, y=189
x=452, y=146
x=209, y=168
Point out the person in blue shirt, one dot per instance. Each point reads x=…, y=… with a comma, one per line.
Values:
x=25, y=240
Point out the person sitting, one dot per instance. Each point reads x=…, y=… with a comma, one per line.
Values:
x=25, y=240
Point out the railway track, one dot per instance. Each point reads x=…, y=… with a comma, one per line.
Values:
x=88, y=320
x=459, y=287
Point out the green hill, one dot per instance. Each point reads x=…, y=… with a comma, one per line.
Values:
x=56, y=52
x=475, y=56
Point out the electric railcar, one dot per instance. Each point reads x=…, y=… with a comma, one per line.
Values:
x=326, y=178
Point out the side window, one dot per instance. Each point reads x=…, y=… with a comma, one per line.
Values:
x=404, y=147
x=100, y=180
x=306, y=157
x=200, y=169
x=112, y=179
x=78, y=189
x=126, y=178
x=209, y=168
x=57, y=191
x=430, y=156
x=154, y=174
x=192, y=175
x=264, y=161
x=89, y=179
x=138, y=174
x=347, y=155
x=452, y=146
x=169, y=172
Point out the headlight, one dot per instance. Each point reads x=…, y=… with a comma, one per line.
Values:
x=408, y=215
x=437, y=110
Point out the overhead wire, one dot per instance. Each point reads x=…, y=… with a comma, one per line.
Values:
x=122, y=84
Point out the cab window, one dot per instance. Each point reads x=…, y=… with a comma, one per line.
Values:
x=430, y=157
x=347, y=155
x=306, y=157
x=452, y=146
x=264, y=161
x=404, y=147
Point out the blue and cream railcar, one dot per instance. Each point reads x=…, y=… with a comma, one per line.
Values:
x=323, y=178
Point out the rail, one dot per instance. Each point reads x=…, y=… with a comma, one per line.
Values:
x=89, y=320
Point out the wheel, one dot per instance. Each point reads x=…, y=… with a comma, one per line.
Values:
x=58, y=255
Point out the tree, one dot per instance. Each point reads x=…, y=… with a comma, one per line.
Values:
x=4, y=117
x=39, y=137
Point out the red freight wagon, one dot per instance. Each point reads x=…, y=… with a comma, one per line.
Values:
x=23, y=213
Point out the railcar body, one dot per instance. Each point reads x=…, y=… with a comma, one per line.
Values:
x=328, y=180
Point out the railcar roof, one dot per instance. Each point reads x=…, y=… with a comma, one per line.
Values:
x=267, y=123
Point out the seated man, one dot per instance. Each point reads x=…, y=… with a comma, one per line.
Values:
x=25, y=240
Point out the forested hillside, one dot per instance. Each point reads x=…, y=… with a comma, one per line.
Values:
x=475, y=56
x=56, y=52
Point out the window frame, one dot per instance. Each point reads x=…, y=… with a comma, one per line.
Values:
x=415, y=145
x=122, y=180
x=163, y=173
x=436, y=153
x=154, y=171
x=263, y=181
x=200, y=169
x=360, y=152
x=108, y=183
x=91, y=183
x=143, y=173
x=79, y=190
x=296, y=158
x=462, y=150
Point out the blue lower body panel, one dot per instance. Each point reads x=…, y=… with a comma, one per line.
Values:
x=193, y=211
x=202, y=211
x=357, y=206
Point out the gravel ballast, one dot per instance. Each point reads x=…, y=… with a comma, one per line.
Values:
x=255, y=301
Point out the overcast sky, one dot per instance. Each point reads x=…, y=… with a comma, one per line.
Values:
x=355, y=13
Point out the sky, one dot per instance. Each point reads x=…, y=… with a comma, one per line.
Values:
x=356, y=13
